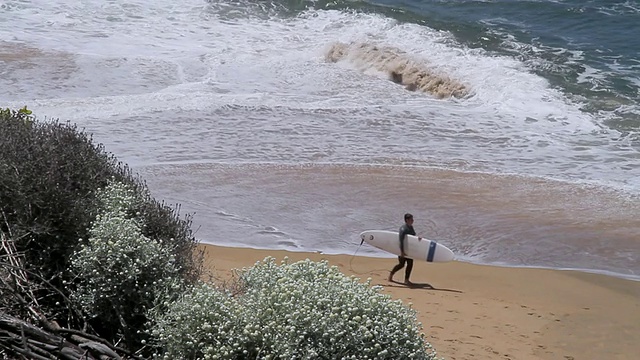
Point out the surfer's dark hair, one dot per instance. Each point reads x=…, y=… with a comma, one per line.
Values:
x=407, y=216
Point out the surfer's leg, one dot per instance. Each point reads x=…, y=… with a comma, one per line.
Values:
x=407, y=271
x=399, y=266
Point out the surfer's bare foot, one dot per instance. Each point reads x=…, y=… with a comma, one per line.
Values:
x=408, y=283
x=390, y=278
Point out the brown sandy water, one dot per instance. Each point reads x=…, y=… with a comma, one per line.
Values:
x=506, y=220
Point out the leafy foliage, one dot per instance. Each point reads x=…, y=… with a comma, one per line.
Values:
x=23, y=114
x=204, y=323
x=305, y=310
x=122, y=273
x=50, y=175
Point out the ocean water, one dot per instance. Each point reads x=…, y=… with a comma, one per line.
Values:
x=510, y=129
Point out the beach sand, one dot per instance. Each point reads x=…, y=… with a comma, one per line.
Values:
x=489, y=312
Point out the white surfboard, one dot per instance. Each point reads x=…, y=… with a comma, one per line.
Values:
x=425, y=249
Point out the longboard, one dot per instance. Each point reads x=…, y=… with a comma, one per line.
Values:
x=425, y=249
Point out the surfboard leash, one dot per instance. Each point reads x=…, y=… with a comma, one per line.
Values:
x=354, y=255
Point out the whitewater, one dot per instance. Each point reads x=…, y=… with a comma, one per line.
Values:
x=292, y=129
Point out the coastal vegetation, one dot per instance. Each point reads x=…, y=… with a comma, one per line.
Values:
x=303, y=310
x=92, y=266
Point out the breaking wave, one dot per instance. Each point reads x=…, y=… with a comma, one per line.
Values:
x=401, y=68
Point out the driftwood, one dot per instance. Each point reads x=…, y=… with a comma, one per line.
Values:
x=20, y=337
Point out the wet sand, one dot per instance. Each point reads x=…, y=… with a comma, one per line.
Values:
x=486, y=312
x=483, y=218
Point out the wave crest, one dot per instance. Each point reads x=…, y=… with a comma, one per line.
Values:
x=401, y=68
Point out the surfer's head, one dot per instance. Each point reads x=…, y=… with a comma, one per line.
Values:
x=408, y=217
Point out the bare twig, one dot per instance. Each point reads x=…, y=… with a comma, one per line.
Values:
x=18, y=336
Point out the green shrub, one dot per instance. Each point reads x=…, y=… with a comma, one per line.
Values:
x=121, y=273
x=47, y=174
x=50, y=173
x=305, y=310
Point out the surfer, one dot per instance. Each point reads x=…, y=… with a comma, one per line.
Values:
x=405, y=229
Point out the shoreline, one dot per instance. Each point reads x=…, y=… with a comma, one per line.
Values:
x=494, y=220
x=611, y=274
x=490, y=312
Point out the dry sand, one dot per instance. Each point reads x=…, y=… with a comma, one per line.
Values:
x=488, y=312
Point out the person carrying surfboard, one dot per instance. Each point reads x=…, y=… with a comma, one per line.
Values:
x=405, y=229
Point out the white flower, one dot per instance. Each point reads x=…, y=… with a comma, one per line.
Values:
x=300, y=310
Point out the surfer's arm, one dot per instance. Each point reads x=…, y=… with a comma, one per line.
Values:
x=401, y=238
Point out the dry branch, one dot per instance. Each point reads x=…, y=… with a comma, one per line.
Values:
x=31, y=342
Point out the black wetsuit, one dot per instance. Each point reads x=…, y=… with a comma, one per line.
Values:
x=405, y=229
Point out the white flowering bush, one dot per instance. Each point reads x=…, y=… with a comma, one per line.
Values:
x=121, y=274
x=304, y=310
x=205, y=323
